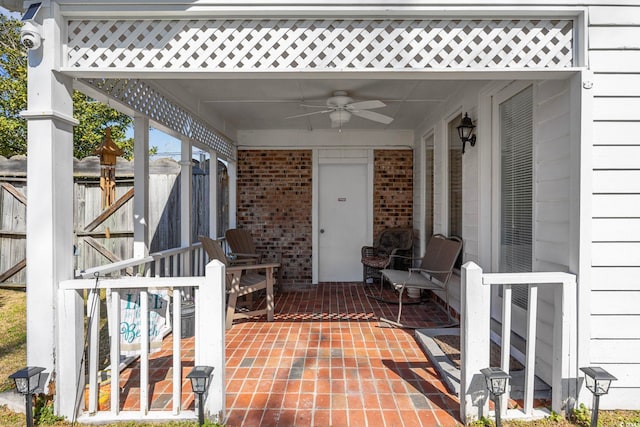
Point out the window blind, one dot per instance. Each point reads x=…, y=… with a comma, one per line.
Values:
x=516, y=138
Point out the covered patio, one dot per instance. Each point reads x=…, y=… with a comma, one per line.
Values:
x=325, y=360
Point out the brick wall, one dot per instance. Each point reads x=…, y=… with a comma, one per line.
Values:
x=393, y=189
x=275, y=195
x=274, y=203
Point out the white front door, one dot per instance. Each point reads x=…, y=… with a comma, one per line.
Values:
x=342, y=220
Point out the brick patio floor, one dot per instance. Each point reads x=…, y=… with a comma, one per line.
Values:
x=325, y=361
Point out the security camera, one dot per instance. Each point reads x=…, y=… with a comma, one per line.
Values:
x=30, y=36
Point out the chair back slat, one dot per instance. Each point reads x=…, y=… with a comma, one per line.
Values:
x=240, y=241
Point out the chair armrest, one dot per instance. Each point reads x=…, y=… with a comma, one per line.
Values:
x=240, y=268
x=424, y=270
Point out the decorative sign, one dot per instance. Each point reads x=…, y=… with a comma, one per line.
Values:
x=342, y=199
x=130, y=320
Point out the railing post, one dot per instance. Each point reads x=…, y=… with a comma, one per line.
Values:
x=474, y=342
x=565, y=347
x=70, y=377
x=210, y=340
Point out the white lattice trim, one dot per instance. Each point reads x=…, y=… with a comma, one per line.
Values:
x=146, y=100
x=318, y=45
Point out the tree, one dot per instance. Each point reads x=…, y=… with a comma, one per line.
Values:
x=93, y=116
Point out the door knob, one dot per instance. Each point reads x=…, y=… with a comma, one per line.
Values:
x=322, y=231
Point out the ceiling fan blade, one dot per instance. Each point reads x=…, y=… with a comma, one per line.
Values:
x=366, y=105
x=308, y=114
x=313, y=106
x=370, y=115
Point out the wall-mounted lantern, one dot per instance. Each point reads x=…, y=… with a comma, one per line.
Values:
x=465, y=131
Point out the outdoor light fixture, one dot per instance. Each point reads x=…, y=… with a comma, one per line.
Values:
x=465, y=131
x=199, y=377
x=27, y=381
x=497, y=381
x=597, y=381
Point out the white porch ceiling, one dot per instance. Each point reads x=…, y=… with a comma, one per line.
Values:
x=260, y=104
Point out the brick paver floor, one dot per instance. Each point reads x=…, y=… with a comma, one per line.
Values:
x=325, y=361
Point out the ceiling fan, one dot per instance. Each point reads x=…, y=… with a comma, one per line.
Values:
x=341, y=107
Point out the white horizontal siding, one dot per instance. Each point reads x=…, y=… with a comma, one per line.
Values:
x=616, y=230
x=616, y=303
x=616, y=205
x=612, y=61
x=616, y=133
x=616, y=326
x=616, y=157
x=619, y=278
x=612, y=16
x=617, y=108
x=616, y=84
x=614, y=351
x=616, y=182
x=616, y=254
x=614, y=37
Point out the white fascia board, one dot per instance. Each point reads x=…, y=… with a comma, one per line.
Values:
x=330, y=8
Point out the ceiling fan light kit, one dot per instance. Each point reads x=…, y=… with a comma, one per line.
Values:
x=341, y=107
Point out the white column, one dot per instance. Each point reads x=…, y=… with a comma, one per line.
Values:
x=185, y=201
x=210, y=337
x=141, y=187
x=213, y=194
x=50, y=204
x=474, y=342
x=233, y=182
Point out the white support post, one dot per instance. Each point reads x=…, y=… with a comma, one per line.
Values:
x=213, y=194
x=474, y=342
x=185, y=202
x=144, y=353
x=70, y=373
x=210, y=340
x=565, y=346
x=141, y=188
x=233, y=182
x=50, y=206
x=530, y=357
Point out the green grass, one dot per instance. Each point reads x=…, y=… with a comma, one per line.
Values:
x=13, y=330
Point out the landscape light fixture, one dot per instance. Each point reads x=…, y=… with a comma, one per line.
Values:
x=199, y=377
x=496, y=380
x=465, y=131
x=27, y=381
x=597, y=381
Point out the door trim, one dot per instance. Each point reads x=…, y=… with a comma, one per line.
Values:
x=329, y=157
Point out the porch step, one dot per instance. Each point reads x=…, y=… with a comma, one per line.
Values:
x=450, y=373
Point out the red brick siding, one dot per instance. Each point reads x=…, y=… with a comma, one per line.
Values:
x=393, y=189
x=275, y=195
x=274, y=202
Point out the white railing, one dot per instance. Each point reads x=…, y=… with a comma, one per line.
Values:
x=208, y=294
x=475, y=334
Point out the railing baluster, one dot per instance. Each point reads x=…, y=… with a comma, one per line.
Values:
x=177, y=362
x=115, y=352
x=144, y=352
x=530, y=365
x=93, y=317
x=505, y=353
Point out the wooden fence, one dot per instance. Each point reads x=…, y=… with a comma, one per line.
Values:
x=105, y=236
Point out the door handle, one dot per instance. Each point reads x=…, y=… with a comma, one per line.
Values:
x=322, y=231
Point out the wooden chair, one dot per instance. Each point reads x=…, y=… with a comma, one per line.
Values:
x=243, y=280
x=434, y=273
x=390, y=243
x=244, y=249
